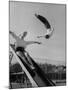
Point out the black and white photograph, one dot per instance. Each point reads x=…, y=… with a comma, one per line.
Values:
x=37, y=44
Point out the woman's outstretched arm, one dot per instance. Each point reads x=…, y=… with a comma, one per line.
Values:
x=33, y=42
x=14, y=35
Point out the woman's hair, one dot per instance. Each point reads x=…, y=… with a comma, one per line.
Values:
x=23, y=35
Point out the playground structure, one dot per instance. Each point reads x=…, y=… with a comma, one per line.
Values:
x=34, y=73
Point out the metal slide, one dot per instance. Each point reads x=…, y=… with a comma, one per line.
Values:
x=23, y=67
x=39, y=78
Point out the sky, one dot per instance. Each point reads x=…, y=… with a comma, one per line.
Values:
x=22, y=19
